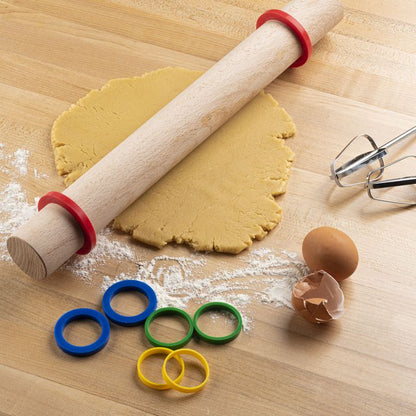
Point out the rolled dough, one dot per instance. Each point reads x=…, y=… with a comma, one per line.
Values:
x=220, y=197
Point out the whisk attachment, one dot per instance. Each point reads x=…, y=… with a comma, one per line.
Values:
x=396, y=190
x=369, y=167
x=359, y=162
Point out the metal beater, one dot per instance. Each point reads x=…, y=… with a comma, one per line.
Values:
x=372, y=181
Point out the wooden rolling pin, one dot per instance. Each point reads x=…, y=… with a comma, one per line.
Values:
x=52, y=236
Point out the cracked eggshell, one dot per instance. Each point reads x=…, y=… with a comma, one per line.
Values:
x=329, y=249
x=318, y=298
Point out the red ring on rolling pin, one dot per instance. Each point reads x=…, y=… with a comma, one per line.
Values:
x=295, y=27
x=90, y=238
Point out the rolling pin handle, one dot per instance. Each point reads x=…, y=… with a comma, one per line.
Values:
x=295, y=27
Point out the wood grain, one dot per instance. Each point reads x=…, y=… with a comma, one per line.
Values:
x=361, y=78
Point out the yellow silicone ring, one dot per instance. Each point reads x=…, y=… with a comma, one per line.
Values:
x=174, y=383
x=154, y=351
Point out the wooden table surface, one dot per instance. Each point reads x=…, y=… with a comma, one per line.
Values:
x=361, y=78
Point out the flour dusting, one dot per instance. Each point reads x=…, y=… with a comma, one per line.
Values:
x=20, y=160
x=261, y=276
x=265, y=276
x=14, y=164
x=106, y=249
x=15, y=209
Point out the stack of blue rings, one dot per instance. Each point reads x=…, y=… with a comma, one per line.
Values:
x=110, y=313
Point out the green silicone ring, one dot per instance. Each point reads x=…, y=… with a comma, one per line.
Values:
x=218, y=306
x=164, y=312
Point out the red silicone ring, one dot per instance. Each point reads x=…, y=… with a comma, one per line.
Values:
x=90, y=238
x=295, y=27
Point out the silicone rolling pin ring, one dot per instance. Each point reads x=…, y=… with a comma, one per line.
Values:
x=128, y=286
x=173, y=383
x=90, y=237
x=169, y=312
x=295, y=27
x=78, y=314
x=152, y=384
x=218, y=306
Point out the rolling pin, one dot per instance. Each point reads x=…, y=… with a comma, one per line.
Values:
x=53, y=235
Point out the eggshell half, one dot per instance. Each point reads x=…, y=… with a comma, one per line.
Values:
x=318, y=298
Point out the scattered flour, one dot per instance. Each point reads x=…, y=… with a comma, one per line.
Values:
x=38, y=175
x=14, y=207
x=106, y=248
x=262, y=275
x=14, y=211
x=14, y=164
x=20, y=160
x=265, y=276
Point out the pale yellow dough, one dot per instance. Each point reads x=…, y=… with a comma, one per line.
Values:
x=220, y=197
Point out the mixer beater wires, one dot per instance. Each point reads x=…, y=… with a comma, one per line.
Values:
x=361, y=163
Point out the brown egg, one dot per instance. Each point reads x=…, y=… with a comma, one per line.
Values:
x=329, y=249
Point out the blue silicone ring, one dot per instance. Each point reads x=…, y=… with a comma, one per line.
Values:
x=125, y=286
x=77, y=314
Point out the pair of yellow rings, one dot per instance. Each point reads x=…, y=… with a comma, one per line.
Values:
x=169, y=383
